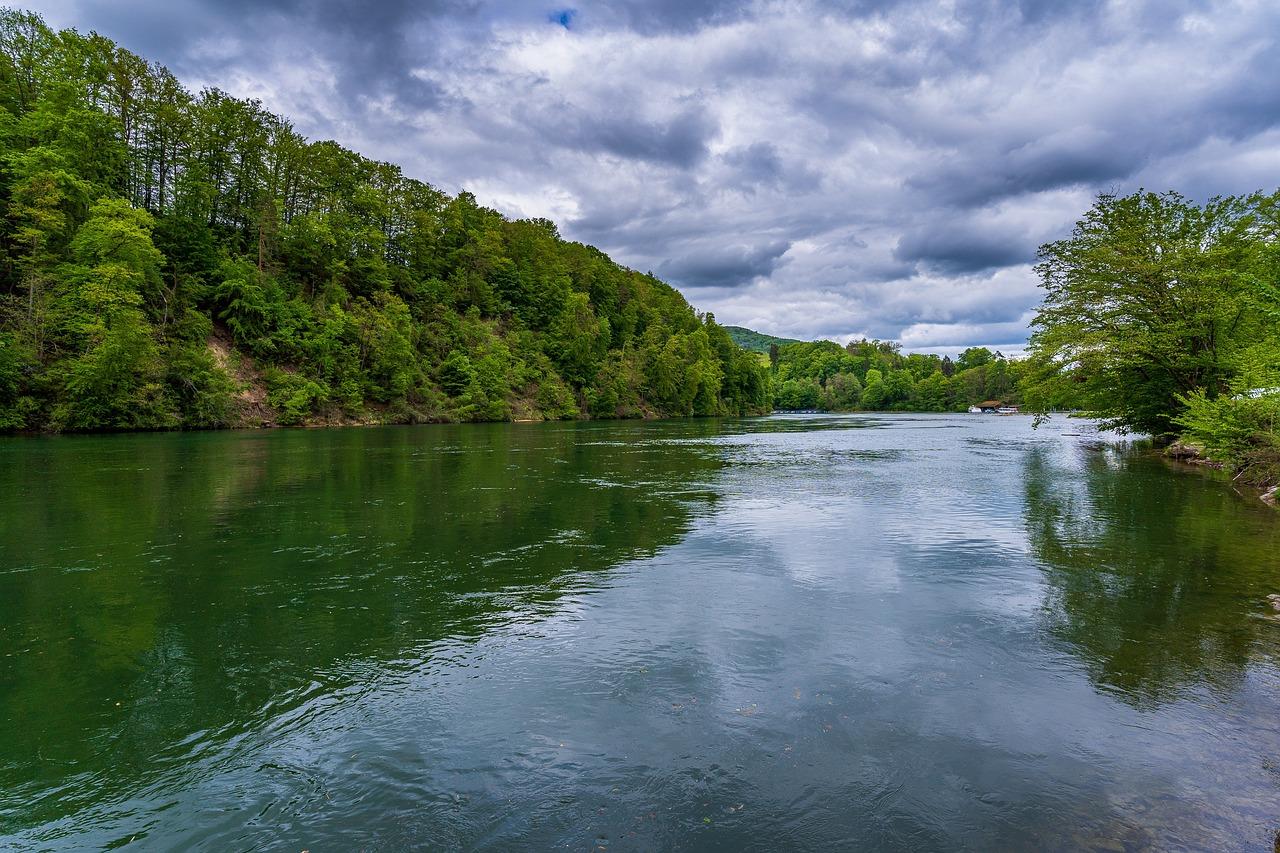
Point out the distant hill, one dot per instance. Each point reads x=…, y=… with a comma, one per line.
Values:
x=755, y=341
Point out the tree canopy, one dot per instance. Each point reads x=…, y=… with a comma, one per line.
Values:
x=1152, y=297
x=1162, y=316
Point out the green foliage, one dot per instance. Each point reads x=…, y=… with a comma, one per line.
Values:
x=1161, y=314
x=115, y=382
x=146, y=225
x=1243, y=432
x=243, y=303
x=932, y=391
x=756, y=341
x=876, y=376
x=842, y=392
x=457, y=374
x=1147, y=301
x=803, y=393
x=1241, y=428
x=294, y=396
x=974, y=357
x=874, y=393
x=200, y=390
x=15, y=405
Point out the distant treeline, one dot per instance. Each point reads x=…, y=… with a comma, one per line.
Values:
x=876, y=376
x=179, y=260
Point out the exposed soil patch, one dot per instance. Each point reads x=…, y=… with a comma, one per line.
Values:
x=251, y=406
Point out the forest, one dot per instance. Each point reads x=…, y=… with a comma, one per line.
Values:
x=876, y=376
x=188, y=260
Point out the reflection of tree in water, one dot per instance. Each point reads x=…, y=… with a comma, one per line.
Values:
x=1156, y=577
x=207, y=581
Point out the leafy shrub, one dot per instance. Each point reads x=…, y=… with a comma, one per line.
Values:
x=202, y=391
x=1241, y=429
x=294, y=396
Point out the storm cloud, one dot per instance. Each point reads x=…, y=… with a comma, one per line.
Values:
x=809, y=168
x=724, y=265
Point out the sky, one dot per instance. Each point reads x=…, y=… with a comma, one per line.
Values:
x=806, y=168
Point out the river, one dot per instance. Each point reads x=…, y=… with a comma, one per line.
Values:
x=809, y=632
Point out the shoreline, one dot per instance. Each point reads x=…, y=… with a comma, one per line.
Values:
x=1181, y=454
x=1192, y=456
x=327, y=422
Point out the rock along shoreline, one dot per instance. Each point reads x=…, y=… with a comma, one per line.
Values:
x=1192, y=454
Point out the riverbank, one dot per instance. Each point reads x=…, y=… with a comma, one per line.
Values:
x=254, y=396
x=256, y=415
x=1186, y=453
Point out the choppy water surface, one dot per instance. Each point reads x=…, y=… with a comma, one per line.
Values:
x=914, y=632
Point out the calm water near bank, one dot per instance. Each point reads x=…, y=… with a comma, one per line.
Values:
x=878, y=632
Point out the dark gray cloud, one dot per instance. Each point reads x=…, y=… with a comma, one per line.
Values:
x=760, y=166
x=681, y=140
x=757, y=164
x=1085, y=156
x=807, y=167
x=960, y=249
x=373, y=50
x=724, y=266
x=662, y=16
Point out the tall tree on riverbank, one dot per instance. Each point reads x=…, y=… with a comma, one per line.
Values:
x=1152, y=298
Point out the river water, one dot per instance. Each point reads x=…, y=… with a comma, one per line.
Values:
x=858, y=632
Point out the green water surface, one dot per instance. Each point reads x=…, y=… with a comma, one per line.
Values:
x=814, y=633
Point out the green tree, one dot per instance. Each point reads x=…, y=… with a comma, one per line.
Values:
x=974, y=357
x=114, y=381
x=15, y=406
x=457, y=373
x=1145, y=303
x=931, y=393
x=842, y=393
x=875, y=394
